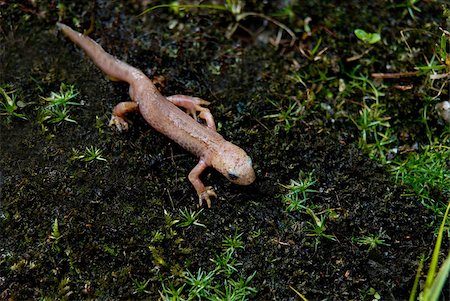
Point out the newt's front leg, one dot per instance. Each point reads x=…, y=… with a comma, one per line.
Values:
x=120, y=110
x=203, y=192
x=194, y=105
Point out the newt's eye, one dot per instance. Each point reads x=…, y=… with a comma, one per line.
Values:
x=232, y=176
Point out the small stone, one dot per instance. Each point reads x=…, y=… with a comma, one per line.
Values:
x=443, y=109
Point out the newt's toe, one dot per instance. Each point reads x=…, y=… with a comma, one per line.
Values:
x=205, y=196
x=120, y=123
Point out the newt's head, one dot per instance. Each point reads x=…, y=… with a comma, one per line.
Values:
x=234, y=163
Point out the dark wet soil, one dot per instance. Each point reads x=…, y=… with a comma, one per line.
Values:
x=108, y=211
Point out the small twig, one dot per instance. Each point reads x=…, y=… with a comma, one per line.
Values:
x=404, y=39
x=170, y=198
x=395, y=75
x=91, y=26
x=298, y=293
x=403, y=87
x=439, y=76
x=358, y=56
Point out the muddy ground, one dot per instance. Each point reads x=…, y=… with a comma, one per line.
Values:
x=107, y=212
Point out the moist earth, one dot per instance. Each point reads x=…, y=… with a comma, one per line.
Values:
x=107, y=212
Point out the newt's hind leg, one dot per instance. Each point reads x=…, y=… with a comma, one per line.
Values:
x=194, y=105
x=118, y=115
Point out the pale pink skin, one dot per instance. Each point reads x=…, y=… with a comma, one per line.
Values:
x=164, y=116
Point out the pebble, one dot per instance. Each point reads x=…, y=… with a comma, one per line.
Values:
x=443, y=109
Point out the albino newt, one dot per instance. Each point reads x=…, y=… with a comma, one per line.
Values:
x=164, y=116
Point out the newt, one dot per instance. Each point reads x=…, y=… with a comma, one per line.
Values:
x=164, y=115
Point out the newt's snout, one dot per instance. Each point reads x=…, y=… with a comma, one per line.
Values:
x=243, y=174
x=234, y=163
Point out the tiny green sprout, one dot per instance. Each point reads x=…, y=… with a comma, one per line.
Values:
x=372, y=240
x=255, y=234
x=64, y=288
x=55, y=230
x=234, y=6
x=236, y=290
x=298, y=193
x=93, y=153
x=288, y=12
x=55, y=236
x=226, y=263
x=170, y=292
x=363, y=83
x=88, y=155
x=158, y=236
x=200, y=283
x=370, y=119
x=57, y=114
x=9, y=104
x=169, y=219
x=58, y=106
x=158, y=257
x=19, y=265
x=317, y=227
x=367, y=37
x=234, y=242
x=100, y=124
x=169, y=224
x=374, y=293
x=63, y=97
x=76, y=155
x=189, y=218
x=376, y=135
x=110, y=250
x=410, y=6
x=287, y=117
x=140, y=286
x=41, y=117
x=442, y=49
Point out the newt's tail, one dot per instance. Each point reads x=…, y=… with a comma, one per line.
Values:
x=114, y=68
